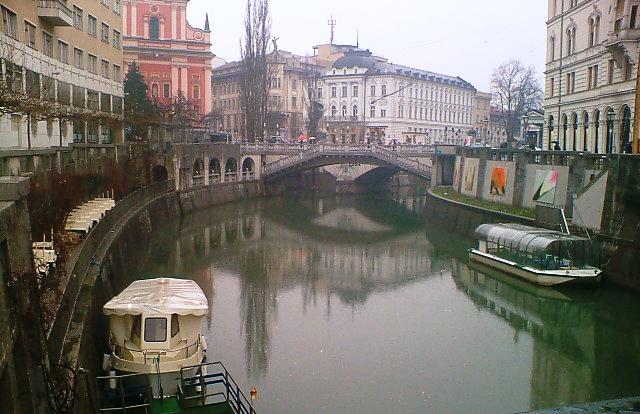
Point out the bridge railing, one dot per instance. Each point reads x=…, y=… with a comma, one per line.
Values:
x=284, y=148
x=382, y=153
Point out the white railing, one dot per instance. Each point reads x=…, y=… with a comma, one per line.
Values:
x=390, y=156
x=288, y=148
x=214, y=178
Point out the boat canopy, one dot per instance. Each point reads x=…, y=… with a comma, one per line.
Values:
x=160, y=296
x=527, y=239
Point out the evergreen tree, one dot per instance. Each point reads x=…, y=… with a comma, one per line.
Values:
x=139, y=111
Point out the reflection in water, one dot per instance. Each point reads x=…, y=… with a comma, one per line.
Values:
x=569, y=346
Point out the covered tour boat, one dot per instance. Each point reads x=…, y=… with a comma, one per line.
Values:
x=158, y=362
x=541, y=256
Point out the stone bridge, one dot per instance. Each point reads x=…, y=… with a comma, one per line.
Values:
x=195, y=165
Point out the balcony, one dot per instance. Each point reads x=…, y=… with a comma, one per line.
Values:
x=623, y=44
x=55, y=12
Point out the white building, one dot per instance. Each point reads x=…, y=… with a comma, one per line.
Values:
x=591, y=70
x=366, y=97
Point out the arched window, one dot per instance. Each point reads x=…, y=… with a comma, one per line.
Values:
x=154, y=90
x=354, y=111
x=596, y=131
x=571, y=40
x=154, y=28
x=585, y=132
x=334, y=111
x=552, y=48
x=344, y=111
x=594, y=29
x=574, y=126
x=611, y=118
x=565, y=126
x=625, y=131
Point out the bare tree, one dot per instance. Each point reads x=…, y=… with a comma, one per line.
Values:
x=515, y=89
x=314, y=107
x=254, y=77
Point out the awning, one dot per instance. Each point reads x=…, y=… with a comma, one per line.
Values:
x=524, y=238
x=159, y=296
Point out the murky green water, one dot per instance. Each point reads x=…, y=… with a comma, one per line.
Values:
x=355, y=305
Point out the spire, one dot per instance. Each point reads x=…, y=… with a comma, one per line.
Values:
x=357, y=38
x=206, y=24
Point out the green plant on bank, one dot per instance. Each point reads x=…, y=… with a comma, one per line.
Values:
x=450, y=194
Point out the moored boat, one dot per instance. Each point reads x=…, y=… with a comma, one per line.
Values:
x=158, y=362
x=542, y=256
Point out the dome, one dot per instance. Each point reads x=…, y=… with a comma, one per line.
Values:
x=355, y=58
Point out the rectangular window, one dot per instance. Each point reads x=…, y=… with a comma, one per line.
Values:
x=105, y=2
x=334, y=92
x=384, y=90
x=47, y=44
x=92, y=26
x=628, y=70
x=294, y=84
x=355, y=91
x=610, y=72
x=117, y=73
x=77, y=58
x=9, y=22
x=30, y=34
x=552, y=87
x=93, y=64
x=344, y=91
x=104, y=34
x=373, y=90
x=63, y=52
x=595, y=76
x=634, y=17
x=589, y=77
x=155, y=329
x=319, y=93
x=294, y=102
x=372, y=112
x=78, y=17
x=104, y=69
x=166, y=90
x=196, y=91
x=383, y=113
x=116, y=6
x=116, y=39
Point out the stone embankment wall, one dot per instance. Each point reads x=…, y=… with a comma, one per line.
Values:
x=84, y=343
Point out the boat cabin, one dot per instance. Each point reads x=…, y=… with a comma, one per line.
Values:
x=156, y=326
x=536, y=248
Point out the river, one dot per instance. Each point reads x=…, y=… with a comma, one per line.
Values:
x=336, y=304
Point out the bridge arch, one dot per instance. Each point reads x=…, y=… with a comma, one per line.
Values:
x=214, y=170
x=159, y=173
x=198, y=172
x=231, y=169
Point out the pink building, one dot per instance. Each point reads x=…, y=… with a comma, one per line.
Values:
x=172, y=55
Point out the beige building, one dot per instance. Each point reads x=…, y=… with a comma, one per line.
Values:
x=63, y=58
x=287, y=102
x=591, y=70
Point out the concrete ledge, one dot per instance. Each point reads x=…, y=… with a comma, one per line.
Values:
x=14, y=188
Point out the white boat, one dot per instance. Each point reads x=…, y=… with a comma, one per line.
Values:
x=542, y=256
x=155, y=328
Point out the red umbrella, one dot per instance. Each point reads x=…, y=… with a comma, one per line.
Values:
x=302, y=138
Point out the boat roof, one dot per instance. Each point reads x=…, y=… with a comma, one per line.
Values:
x=159, y=296
x=524, y=238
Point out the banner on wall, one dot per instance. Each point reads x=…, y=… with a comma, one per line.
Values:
x=545, y=186
x=498, y=181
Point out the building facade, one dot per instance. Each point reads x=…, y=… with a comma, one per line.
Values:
x=62, y=72
x=391, y=103
x=287, y=105
x=590, y=78
x=174, y=57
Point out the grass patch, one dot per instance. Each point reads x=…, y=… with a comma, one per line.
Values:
x=450, y=194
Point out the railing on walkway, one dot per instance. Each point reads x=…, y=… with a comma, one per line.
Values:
x=248, y=176
x=198, y=180
x=230, y=176
x=151, y=356
x=86, y=259
x=212, y=384
x=115, y=396
x=384, y=154
x=260, y=147
x=214, y=178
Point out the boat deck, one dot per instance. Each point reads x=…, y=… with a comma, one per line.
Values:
x=172, y=406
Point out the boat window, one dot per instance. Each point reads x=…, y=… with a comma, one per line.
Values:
x=175, y=325
x=155, y=329
x=135, y=328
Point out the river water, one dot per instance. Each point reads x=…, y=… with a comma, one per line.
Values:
x=336, y=304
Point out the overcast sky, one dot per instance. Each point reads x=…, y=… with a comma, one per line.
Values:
x=466, y=38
